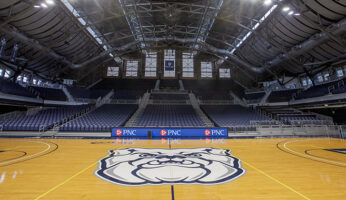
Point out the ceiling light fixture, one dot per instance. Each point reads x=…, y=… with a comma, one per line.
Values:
x=44, y=5
x=267, y=2
x=286, y=8
x=37, y=6
x=290, y=13
x=51, y=2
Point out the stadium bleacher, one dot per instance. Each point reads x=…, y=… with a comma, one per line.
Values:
x=167, y=96
x=233, y=115
x=102, y=119
x=281, y=95
x=44, y=119
x=9, y=87
x=169, y=116
x=254, y=96
x=50, y=93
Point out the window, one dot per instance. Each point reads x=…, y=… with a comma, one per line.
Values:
x=113, y=71
x=169, y=63
x=224, y=73
x=20, y=78
x=339, y=72
x=326, y=76
x=34, y=81
x=7, y=73
x=188, y=65
x=1, y=72
x=309, y=81
x=150, y=64
x=39, y=82
x=25, y=79
x=131, y=68
x=304, y=82
x=319, y=78
x=206, y=70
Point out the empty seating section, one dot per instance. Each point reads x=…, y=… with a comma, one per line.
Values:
x=296, y=117
x=128, y=94
x=78, y=92
x=166, y=96
x=9, y=87
x=254, y=96
x=213, y=89
x=97, y=93
x=83, y=93
x=233, y=115
x=169, y=84
x=339, y=90
x=281, y=95
x=290, y=118
x=212, y=95
x=318, y=90
x=43, y=119
x=103, y=118
x=126, y=84
x=169, y=116
x=50, y=93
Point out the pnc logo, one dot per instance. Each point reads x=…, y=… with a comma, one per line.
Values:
x=207, y=132
x=163, y=132
x=118, y=132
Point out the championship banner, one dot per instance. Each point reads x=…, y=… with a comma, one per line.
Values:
x=169, y=132
x=169, y=65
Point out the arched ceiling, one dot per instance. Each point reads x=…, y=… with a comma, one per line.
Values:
x=71, y=34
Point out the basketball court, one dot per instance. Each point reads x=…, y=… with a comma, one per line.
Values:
x=280, y=168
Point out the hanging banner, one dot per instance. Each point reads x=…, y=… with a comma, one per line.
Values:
x=169, y=65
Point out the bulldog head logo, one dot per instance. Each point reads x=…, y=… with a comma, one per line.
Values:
x=141, y=166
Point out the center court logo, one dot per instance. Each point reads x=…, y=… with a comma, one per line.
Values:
x=142, y=166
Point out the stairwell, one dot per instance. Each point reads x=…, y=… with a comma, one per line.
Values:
x=106, y=99
x=265, y=97
x=141, y=107
x=199, y=111
x=68, y=94
x=238, y=100
x=56, y=127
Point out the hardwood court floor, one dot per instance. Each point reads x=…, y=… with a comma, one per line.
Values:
x=284, y=168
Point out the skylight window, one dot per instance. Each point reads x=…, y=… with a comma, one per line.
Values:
x=150, y=64
x=224, y=73
x=206, y=70
x=83, y=22
x=113, y=71
x=266, y=15
x=131, y=68
x=188, y=65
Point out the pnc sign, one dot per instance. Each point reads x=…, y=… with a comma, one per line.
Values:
x=163, y=132
x=169, y=132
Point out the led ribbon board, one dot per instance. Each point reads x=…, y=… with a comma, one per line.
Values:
x=170, y=132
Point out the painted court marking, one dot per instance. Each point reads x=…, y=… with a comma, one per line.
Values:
x=274, y=179
x=73, y=176
x=29, y=156
x=307, y=156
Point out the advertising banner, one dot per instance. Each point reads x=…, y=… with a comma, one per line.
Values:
x=169, y=132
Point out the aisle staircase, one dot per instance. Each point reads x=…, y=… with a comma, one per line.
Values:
x=199, y=111
x=141, y=107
